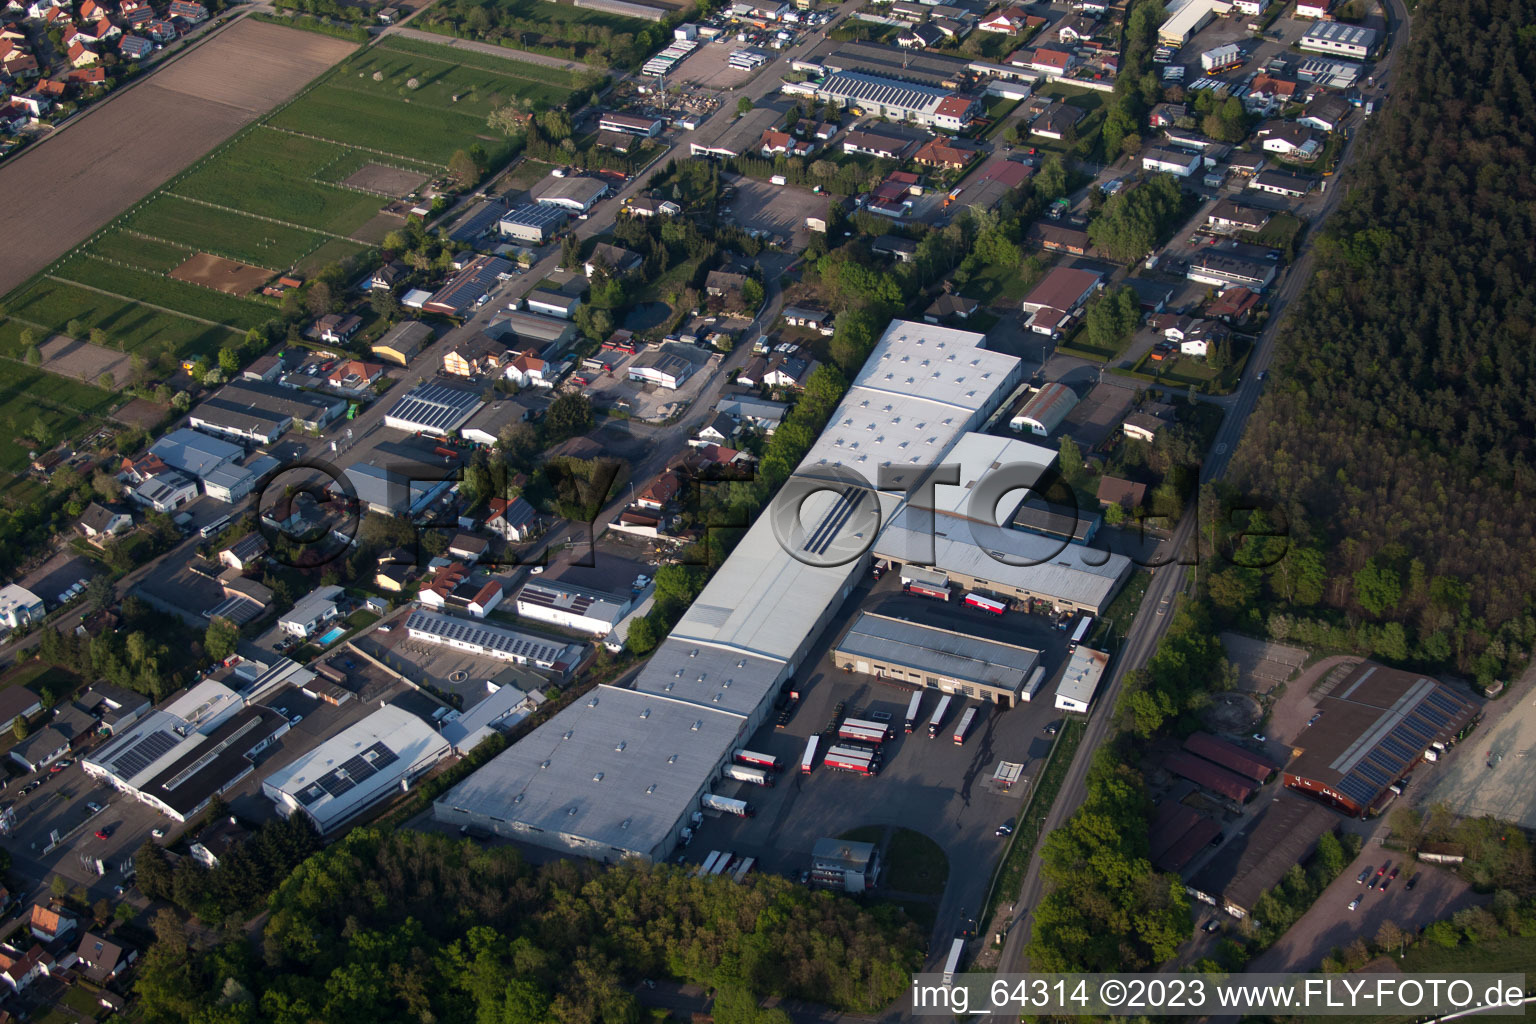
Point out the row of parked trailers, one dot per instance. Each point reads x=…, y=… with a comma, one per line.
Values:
x=757, y=769
x=723, y=862
x=859, y=750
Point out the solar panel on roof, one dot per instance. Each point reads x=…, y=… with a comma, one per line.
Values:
x=1444, y=701
x=1432, y=714
x=1396, y=747
x=144, y=753
x=1357, y=790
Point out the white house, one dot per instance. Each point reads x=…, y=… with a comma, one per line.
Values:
x=165, y=492
x=19, y=606
x=1171, y=161
x=101, y=521
x=311, y=612
x=513, y=520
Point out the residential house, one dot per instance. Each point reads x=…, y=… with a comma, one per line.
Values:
x=312, y=611
x=161, y=31
x=49, y=922
x=1004, y=21
x=101, y=959
x=1292, y=186
x=79, y=56
x=723, y=283
x=1142, y=426
x=337, y=328
x=869, y=143
x=354, y=375
x=1060, y=238
x=903, y=250
x=751, y=373
x=454, y=586
x=100, y=522
x=1233, y=306
x=774, y=143
x=389, y=276
x=1229, y=215
x=1051, y=304
x=1167, y=115
x=818, y=320
x=514, y=520
x=1076, y=29
x=186, y=10
x=41, y=748
x=613, y=260
x=245, y=553
x=792, y=372
x=660, y=494
x=1318, y=9
x=1125, y=493
x=474, y=356
x=18, y=970
x=718, y=430
x=1177, y=162
x=1053, y=62
x=920, y=37
x=752, y=411
x=1201, y=336
x=215, y=841
x=1293, y=141
x=647, y=207
x=136, y=12
x=526, y=370
x=1057, y=120
x=17, y=702
x=941, y=152
x=135, y=47
x=948, y=306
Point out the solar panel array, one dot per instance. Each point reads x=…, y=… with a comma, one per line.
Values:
x=882, y=92
x=499, y=643
x=1395, y=752
x=565, y=600
x=349, y=774
x=435, y=407
x=144, y=753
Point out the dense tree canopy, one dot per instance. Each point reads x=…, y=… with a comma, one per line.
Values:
x=1402, y=420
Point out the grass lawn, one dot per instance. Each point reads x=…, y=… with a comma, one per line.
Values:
x=360, y=618
x=223, y=232
x=442, y=76
x=149, y=254
x=994, y=284
x=916, y=864
x=1088, y=129
x=1186, y=371
x=191, y=299
x=1109, y=630
x=865, y=32
x=332, y=250
x=275, y=190
x=52, y=304
x=490, y=62
x=1508, y=955
x=924, y=913
x=526, y=174
x=67, y=406
x=400, y=126
x=1280, y=233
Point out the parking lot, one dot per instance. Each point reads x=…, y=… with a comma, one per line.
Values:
x=648, y=403
x=945, y=787
x=1494, y=771
x=55, y=576
x=708, y=69
x=777, y=209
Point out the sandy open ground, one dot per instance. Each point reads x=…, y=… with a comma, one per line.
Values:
x=386, y=181
x=82, y=360
x=221, y=274
x=127, y=146
x=1494, y=771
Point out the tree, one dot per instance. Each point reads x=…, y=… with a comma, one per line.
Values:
x=1378, y=588
x=570, y=252
x=555, y=124
x=20, y=729
x=318, y=299
x=742, y=106
x=463, y=169
x=75, y=329
x=643, y=636
x=383, y=302
x=229, y=360
x=751, y=295
x=1111, y=318
x=34, y=355
x=568, y=416
x=220, y=639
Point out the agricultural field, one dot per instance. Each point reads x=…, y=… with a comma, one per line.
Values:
x=150, y=254
x=49, y=304
x=29, y=395
x=226, y=233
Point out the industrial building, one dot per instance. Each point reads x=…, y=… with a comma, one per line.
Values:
x=1045, y=410
x=178, y=757
x=500, y=643
x=927, y=656
x=1225, y=269
x=577, y=194
x=1340, y=39
x=193, y=453
x=729, y=138
x=535, y=223
x=571, y=607
x=1210, y=776
x=628, y=124
x=431, y=408
x=458, y=296
x=1231, y=756
x=937, y=70
x=845, y=865
x=1176, y=833
x=503, y=707
x=1051, y=304
x=621, y=774
x=259, y=412
x=1257, y=859
x=1187, y=19
x=898, y=100
x=1171, y=161
x=403, y=342
x=365, y=763
x=1080, y=681
x=660, y=367
x=1372, y=729
x=1279, y=183
x=19, y=606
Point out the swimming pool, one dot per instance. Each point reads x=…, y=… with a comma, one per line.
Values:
x=333, y=635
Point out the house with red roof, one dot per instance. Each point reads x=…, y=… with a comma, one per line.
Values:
x=956, y=112
x=87, y=77
x=774, y=142
x=939, y=153
x=1052, y=62
x=79, y=56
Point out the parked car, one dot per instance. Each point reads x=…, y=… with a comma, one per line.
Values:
x=1360, y=879
x=1211, y=925
x=1005, y=829
x=158, y=833
x=1413, y=880
x=1354, y=904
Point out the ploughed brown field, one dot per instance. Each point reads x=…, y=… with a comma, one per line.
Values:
x=225, y=275
x=124, y=148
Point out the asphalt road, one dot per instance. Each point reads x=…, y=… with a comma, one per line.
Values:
x=1169, y=580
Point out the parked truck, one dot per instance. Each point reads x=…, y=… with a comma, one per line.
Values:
x=913, y=706
x=808, y=760
x=965, y=725
x=849, y=760
x=746, y=773
x=756, y=760
x=862, y=730
x=938, y=716
x=726, y=805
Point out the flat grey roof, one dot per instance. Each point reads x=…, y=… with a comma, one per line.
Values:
x=712, y=677
x=194, y=453
x=939, y=652
x=616, y=769
x=1041, y=565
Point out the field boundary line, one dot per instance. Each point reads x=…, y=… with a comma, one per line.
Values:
x=147, y=305
x=191, y=251
x=259, y=216
x=334, y=142
x=196, y=284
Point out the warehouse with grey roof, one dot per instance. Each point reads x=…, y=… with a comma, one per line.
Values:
x=927, y=656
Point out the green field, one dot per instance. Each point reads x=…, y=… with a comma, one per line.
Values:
x=413, y=131
x=156, y=289
x=441, y=76
x=51, y=304
x=266, y=191
x=490, y=62
x=144, y=253
x=332, y=250
x=916, y=864
x=30, y=394
x=222, y=232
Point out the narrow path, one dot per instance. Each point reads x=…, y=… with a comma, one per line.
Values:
x=492, y=49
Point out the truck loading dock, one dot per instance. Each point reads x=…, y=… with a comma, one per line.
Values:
x=940, y=659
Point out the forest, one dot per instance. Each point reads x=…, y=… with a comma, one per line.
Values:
x=412, y=926
x=1397, y=436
